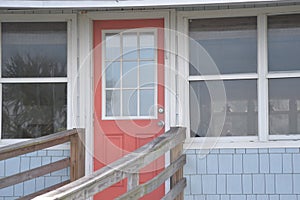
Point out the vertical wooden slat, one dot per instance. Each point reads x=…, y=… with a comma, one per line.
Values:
x=77, y=167
x=175, y=154
x=133, y=181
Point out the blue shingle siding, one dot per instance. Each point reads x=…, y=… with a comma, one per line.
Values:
x=29, y=161
x=243, y=174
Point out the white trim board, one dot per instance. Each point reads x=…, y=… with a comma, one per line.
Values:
x=122, y=4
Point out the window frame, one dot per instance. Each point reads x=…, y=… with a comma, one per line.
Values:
x=71, y=77
x=264, y=139
x=103, y=89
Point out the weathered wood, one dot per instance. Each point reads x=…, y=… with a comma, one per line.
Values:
x=33, y=173
x=109, y=175
x=174, y=154
x=154, y=183
x=30, y=196
x=132, y=180
x=176, y=190
x=77, y=168
x=36, y=144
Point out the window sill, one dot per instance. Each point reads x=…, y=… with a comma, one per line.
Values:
x=219, y=143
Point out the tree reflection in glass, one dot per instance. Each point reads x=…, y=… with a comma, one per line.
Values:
x=33, y=50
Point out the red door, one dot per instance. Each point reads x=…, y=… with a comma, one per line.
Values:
x=129, y=94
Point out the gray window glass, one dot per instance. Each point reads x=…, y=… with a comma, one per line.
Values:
x=33, y=110
x=241, y=109
x=284, y=42
x=284, y=106
x=230, y=42
x=34, y=49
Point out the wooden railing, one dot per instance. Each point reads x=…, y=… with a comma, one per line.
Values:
x=75, y=161
x=128, y=167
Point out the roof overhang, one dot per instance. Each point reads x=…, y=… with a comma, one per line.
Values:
x=107, y=4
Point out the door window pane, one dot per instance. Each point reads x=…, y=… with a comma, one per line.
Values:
x=113, y=102
x=112, y=74
x=241, y=109
x=228, y=43
x=33, y=110
x=129, y=104
x=147, y=74
x=284, y=100
x=284, y=42
x=147, y=102
x=147, y=44
x=130, y=74
x=130, y=48
x=112, y=46
x=34, y=49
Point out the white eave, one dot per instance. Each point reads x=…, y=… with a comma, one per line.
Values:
x=16, y=4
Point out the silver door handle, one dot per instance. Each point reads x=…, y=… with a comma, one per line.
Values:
x=161, y=123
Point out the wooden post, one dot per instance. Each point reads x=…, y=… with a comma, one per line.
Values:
x=77, y=155
x=175, y=153
x=132, y=181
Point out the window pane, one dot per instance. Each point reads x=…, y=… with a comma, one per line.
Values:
x=284, y=106
x=130, y=49
x=284, y=42
x=129, y=104
x=147, y=46
x=113, y=103
x=34, y=49
x=230, y=42
x=112, y=75
x=130, y=74
x=112, y=46
x=241, y=109
x=33, y=110
x=147, y=102
x=147, y=74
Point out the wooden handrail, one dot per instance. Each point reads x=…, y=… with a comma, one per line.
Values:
x=129, y=166
x=75, y=162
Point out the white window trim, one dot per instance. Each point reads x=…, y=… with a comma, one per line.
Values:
x=103, y=89
x=263, y=140
x=71, y=67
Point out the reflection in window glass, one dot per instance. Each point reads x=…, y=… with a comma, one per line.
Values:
x=241, y=109
x=112, y=102
x=284, y=42
x=283, y=104
x=230, y=42
x=33, y=110
x=34, y=49
x=112, y=74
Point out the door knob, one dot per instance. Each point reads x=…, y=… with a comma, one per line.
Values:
x=161, y=110
x=161, y=123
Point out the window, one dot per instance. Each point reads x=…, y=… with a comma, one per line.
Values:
x=284, y=77
x=33, y=78
x=130, y=74
x=231, y=44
